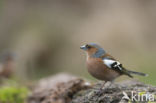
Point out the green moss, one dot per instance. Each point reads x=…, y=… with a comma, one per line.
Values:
x=13, y=94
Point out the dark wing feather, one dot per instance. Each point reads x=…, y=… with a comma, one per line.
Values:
x=117, y=66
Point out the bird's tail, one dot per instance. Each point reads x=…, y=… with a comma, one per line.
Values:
x=137, y=73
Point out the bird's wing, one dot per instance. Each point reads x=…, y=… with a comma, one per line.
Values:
x=115, y=65
x=112, y=64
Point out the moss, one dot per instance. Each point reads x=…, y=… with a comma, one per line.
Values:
x=13, y=94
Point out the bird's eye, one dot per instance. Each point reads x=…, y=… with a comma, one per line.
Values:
x=87, y=46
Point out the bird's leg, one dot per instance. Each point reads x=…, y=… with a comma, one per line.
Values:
x=103, y=85
x=100, y=92
x=111, y=82
x=107, y=88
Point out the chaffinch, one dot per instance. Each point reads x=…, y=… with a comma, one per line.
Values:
x=103, y=66
x=7, y=64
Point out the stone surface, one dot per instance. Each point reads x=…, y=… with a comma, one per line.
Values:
x=57, y=89
x=113, y=93
x=65, y=88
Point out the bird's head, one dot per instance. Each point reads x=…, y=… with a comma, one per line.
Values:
x=93, y=50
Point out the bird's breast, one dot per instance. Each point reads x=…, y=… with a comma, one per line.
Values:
x=100, y=71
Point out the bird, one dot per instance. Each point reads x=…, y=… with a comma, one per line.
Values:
x=103, y=66
x=7, y=65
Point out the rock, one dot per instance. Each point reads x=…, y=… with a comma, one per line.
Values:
x=57, y=89
x=70, y=89
x=114, y=93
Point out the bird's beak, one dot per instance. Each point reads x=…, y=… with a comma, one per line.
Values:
x=83, y=47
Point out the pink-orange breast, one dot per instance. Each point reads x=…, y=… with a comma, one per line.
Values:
x=99, y=70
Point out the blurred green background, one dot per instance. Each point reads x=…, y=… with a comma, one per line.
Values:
x=46, y=35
